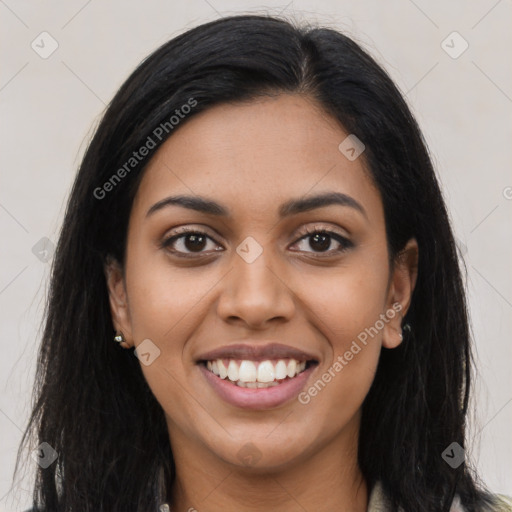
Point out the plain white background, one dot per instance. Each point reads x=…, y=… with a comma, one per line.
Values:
x=50, y=106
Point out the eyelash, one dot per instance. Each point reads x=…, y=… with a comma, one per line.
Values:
x=183, y=232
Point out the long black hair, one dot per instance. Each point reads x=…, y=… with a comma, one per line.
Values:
x=91, y=401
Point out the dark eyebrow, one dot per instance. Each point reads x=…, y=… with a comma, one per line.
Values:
x=310, y=203
x=291, y=207
x=192, y=203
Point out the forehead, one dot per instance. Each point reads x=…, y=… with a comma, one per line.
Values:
x=255, y=156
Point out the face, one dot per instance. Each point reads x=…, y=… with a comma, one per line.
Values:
x=265, y=264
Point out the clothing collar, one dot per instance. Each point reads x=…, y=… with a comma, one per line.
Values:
x=378, y=501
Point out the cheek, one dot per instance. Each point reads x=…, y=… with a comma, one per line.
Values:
x=163, y=309
x=348, y=300
x=165, y=305
x=347, y=306
x=163, y=297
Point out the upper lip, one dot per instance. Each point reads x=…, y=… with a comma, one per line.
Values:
x=257, y=352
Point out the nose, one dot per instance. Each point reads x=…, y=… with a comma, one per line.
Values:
x=255, y=293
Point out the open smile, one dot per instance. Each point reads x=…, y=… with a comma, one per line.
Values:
x=257, y=384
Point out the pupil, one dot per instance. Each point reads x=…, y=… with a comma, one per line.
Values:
x=195, y=242
x=322, y=241
x=319, y=242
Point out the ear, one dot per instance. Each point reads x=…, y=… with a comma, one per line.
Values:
x=402, y=283
x=118, y=300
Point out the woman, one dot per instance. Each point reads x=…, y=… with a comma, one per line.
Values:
x=257, y=220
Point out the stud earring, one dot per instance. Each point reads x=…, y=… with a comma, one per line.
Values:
x=119, y=339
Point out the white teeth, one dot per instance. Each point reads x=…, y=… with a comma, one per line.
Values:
x=281, y=370
x=252, y=374
x=247, y=371
x=256, y=384
x=266, y=372
x=232, y=371
x=292, y=367
x=223, y=371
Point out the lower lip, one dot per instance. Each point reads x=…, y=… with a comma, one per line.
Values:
x=257, y=398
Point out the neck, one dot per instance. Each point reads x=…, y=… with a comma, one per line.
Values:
x=327, y=479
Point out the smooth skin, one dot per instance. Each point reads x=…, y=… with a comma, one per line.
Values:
x=315, y=295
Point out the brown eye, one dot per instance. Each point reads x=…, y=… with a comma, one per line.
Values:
x=321, y=241
x=194, y=243
x=189, y=242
